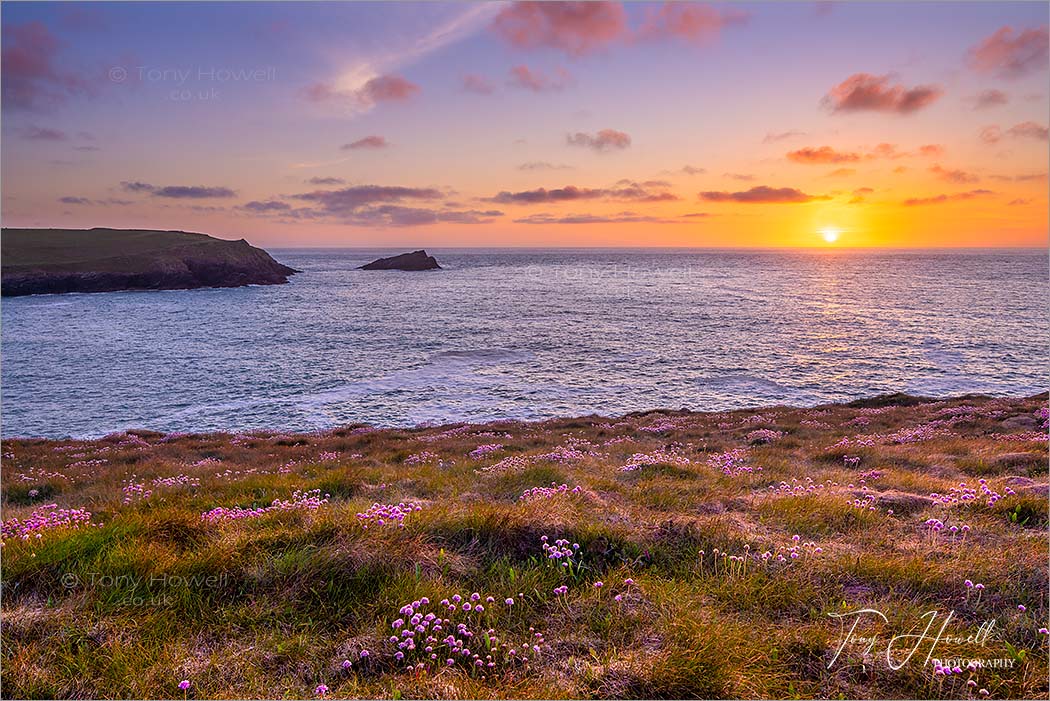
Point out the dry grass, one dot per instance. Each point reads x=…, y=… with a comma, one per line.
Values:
x=270, y=606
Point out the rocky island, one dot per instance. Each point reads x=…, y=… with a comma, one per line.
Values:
x=416, y=260
x=43, y=261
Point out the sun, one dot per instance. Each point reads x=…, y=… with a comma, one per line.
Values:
x=830, y=235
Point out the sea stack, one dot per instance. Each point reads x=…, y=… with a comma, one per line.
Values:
x=416, y=260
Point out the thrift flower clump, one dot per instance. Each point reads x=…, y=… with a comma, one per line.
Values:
x=387, y=514
x=459, y=631
x=44, y=518
x=300, y=501
x=538, y=493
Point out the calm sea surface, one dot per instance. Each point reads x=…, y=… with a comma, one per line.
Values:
x=526, y=334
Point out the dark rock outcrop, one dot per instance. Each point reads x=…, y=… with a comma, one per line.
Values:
x=43, y=261
x=416, y=260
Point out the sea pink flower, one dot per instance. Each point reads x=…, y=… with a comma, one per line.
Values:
x=346, y=664
x=321, y=690
x=184, y=684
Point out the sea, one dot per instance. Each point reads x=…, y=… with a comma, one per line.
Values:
x=526, y=334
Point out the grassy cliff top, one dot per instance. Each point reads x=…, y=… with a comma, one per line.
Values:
x=92, y=249
x=656, y=555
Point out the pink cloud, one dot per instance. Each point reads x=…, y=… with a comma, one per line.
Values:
x=988, y=98
x=823, y=154
x=577, y=28
x=688, y=21
x=387, y=88
x=953, y=176
x=524, y=77
x=1024, y=130
x=368, y=142
x=1029, y=130
x=31, y=76
x=384, y=88
x=475, y=83
x=1010, y=54
x=604, y=140
x=865, y=92
x=991, y=134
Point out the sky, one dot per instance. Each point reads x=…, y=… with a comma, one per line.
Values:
x=833, y=124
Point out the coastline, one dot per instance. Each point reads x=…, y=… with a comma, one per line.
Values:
x=714, y=551
x=899, y=399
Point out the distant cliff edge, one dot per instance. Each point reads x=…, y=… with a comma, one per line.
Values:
x=44, y=261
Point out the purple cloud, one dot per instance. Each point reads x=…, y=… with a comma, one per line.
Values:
x=762, y=195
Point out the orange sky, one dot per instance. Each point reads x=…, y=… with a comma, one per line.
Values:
x=518, y=124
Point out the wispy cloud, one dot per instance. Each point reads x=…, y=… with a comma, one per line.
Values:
x=762, y=194
x=368, y=142
x=944, y=199
x=604, y=140
x=620, y=218
x=524, y=77
x=624, y=191
x=178, y=191
x=953, y=175
x=472, y=82
x=988, y=98
x=776, y=137
x=543, y=165
x=353, y=89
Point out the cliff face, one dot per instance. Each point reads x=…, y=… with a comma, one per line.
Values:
x=42, y=261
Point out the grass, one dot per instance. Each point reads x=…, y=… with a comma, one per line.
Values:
x=76, y=249
x=706, y=592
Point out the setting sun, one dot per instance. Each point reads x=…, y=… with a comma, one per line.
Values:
x=830, y=235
